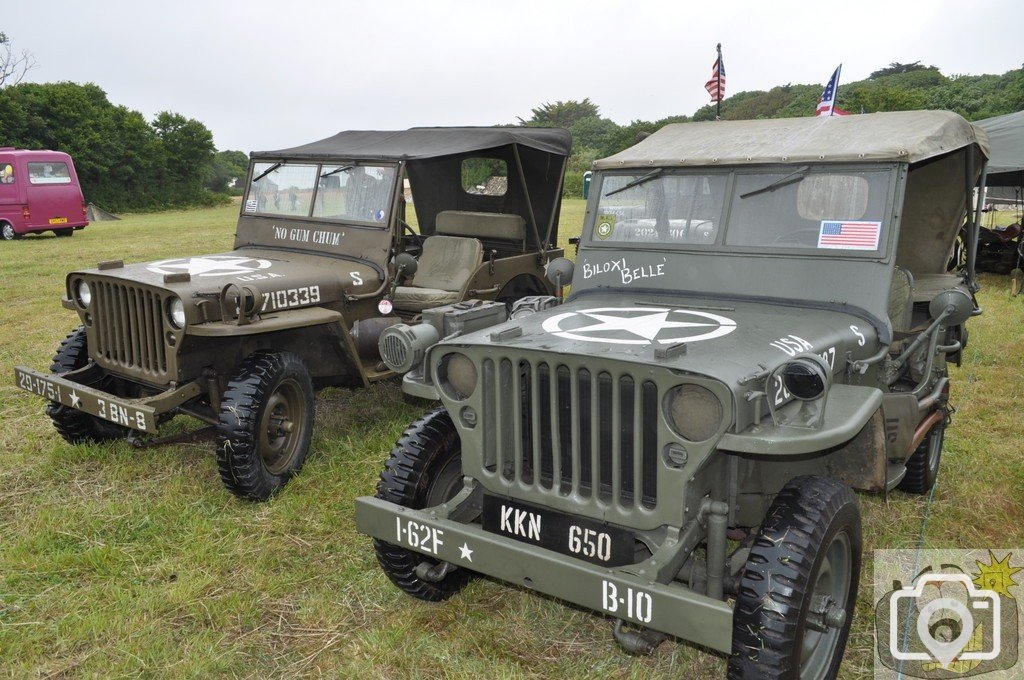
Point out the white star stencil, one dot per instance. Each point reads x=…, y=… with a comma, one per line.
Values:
x=75, y=399
x=467, y=552
x=647, y=326
x=210, y=265
x=639, y=326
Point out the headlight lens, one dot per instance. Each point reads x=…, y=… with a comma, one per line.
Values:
x=459, y=375
x=694, y=412
x=805, y=379
x=83, y=293
x=176, y=313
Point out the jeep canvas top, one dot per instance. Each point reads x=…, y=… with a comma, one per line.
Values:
x=760, y=321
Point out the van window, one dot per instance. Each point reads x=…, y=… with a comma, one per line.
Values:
x=51, y=172
x=6, y=173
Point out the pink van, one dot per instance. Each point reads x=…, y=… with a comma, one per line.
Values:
x=39, y=191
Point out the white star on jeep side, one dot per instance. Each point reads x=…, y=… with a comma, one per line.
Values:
x=75, y=399
x=467, y=553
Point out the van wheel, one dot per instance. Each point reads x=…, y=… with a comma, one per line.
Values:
x=7, y=231
x=798, y=587
x=923, y=464
x=74, y=426
x=64, y=232
x=424, y=470
x=266, y=423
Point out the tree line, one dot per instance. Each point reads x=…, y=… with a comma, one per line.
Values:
x=124, y=162
x=127, y=163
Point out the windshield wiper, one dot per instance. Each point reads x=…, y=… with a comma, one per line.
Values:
x=344, y=168
x=637, y=182
x=266, y=172
x=792, y=178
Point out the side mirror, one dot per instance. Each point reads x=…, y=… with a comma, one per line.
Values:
x=559, y=272
x=405, y=265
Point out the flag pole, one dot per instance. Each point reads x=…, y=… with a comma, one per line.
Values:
x=718, y=96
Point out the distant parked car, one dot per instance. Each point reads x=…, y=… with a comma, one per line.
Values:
x=39, y=191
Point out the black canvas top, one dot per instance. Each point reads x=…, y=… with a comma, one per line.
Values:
x=420, y=143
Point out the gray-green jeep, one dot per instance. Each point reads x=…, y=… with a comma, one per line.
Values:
x=323, y=261
x=760, y=322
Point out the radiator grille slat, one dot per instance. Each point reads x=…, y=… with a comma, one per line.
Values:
x=129, y=328
x=561, y=429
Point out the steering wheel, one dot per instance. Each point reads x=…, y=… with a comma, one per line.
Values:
x=799, y=237
x=416, y=236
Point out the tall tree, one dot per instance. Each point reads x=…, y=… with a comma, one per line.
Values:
x=13, y=65
x=562, y=114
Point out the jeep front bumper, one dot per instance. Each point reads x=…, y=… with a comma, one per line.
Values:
x=621, y=592
x=136, y=414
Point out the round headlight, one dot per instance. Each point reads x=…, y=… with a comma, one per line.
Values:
x=459, y=375
x=694, y=412
x=176, y=313
x=804, y=379
x=83, y=293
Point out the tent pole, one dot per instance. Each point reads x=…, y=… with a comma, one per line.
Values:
x=972, y=250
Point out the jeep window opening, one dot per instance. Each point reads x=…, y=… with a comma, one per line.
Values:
x=721, y=210
x=354, y=194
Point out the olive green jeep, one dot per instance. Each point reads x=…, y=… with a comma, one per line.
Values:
x=760, y=321
x=323, y=261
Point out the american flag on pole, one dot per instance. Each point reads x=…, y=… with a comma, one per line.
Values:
x=827, y=103
x=844, y=235
x=716, y=86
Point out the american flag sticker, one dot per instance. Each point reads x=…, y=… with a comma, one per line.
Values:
x=843, y=235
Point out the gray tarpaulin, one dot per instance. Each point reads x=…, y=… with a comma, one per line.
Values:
x=1006, y=162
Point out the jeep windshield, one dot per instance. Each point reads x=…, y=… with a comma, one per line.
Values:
x=344, y=192
x=825, y=210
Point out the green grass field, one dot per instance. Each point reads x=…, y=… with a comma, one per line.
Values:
x=115, y=561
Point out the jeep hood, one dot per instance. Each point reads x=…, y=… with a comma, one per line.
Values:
x=267, y=270
x=727, y=341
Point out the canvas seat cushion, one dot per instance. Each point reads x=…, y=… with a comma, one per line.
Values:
x=414, y=299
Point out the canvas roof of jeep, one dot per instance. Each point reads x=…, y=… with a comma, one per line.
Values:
x=901, y=136
x=426, y=142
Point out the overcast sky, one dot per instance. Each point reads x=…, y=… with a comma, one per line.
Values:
x=264, y=75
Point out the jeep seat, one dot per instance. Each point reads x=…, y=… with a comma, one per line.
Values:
x=445, y=266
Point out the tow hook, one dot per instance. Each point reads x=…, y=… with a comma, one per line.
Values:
x=434, y=573
x=643, y=641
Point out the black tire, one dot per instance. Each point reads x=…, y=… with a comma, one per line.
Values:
x=72, y=425
x=923, y=464
x=64, y=232
x=812, y=527
x=424, y=470
x=7, y=232
x=266, y=423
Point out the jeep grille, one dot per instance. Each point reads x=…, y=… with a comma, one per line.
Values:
x=129, y=328
x=567, y=430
